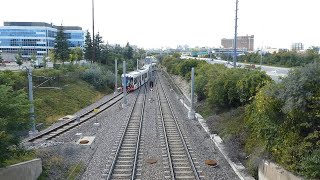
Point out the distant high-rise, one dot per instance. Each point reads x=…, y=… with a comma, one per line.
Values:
x=35, y=37
x=297, y=47
x=243, y=42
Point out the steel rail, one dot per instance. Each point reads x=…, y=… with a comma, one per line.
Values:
x=139, y=137
x=165, y=136
x=197, y=176
x=122, y=139
x=42, y=134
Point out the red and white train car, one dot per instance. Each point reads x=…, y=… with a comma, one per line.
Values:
x=137, y=78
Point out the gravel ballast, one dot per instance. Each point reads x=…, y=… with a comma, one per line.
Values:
x=95, y=158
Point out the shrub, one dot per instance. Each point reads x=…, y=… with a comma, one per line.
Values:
x=285, y=117
x=101, y=79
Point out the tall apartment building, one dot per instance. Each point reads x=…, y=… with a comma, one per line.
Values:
x=297, y=47
x=243, y=42
x=36, y=37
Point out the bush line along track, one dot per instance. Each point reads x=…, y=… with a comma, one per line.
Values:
x=125, y=159
x=178, y=161
x=173, y=85
x=51, y=133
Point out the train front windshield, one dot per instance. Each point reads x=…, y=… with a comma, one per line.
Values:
x=129, y=81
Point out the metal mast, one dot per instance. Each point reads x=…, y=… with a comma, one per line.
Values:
x=93, y=41
x=235, y=37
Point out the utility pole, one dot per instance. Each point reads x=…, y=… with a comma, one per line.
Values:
x=124, y=85
x=137, y=64
x=235, y=37
x=93, y=38
x=32, y=118
x=116, y=75
x=191, y=113
x=261, y=59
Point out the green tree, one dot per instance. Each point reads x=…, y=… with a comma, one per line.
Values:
x=105, y=55
x=52, y=56
x=128, y=51
x=249, y=85
x=203, y=75
x=1, y=59
x=33, y=58
x=72, y=55
x=78, y=53
x=18, y=58
x=98, y=42
x=14, y=106
x=88, y=47
x=285, y=119
x=186, y=65
x=44, y=61
x=61, y=48
x=176, y=55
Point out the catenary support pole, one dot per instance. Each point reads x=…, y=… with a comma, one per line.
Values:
x=137, y=64
x=235, y=37
x=261, y=59
x=32, y=118
x=115, y=75
x=93, y=38
x=151, y=75
x=124, y=85
x=191, y=113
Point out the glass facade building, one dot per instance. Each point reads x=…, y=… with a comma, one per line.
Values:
x=36, y=37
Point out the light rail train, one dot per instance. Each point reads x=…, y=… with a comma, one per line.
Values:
x=137, y=78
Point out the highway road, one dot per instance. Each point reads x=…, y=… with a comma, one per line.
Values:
x=274, y=72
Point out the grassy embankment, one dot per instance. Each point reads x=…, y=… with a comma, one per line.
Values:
x=73, y=90
x=52, y=104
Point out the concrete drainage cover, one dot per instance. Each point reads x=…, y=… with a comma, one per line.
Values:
x=210, y=162
x=151, y=161
x=86, y=140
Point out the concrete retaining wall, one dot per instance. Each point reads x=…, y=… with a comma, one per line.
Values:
x=272, y=171
x=29, y=170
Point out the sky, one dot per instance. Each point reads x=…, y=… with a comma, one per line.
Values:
x=168, y=23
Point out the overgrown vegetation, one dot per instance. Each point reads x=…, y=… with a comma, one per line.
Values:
x=20, y=156
x=265, y=119
x=57, y=92
x=75, y=170
x=100, y=77
x=285, y=120
x=14, y=106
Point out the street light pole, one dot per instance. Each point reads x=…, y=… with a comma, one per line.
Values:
x=191, y=113
x=124, y=85
x=93, y=39
x=116, y=75
x=137, y=64
x=235, y=37
x=261, y=59
x=32, y=118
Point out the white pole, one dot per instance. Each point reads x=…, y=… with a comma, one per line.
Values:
x=116, y=75
x=191, y=113
x=137, y=64
x=235, y=37
x=32, y=118
x=124, y=86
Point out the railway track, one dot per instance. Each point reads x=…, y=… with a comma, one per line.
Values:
x=126, y=150
x=179, y=163
x=56, y=131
